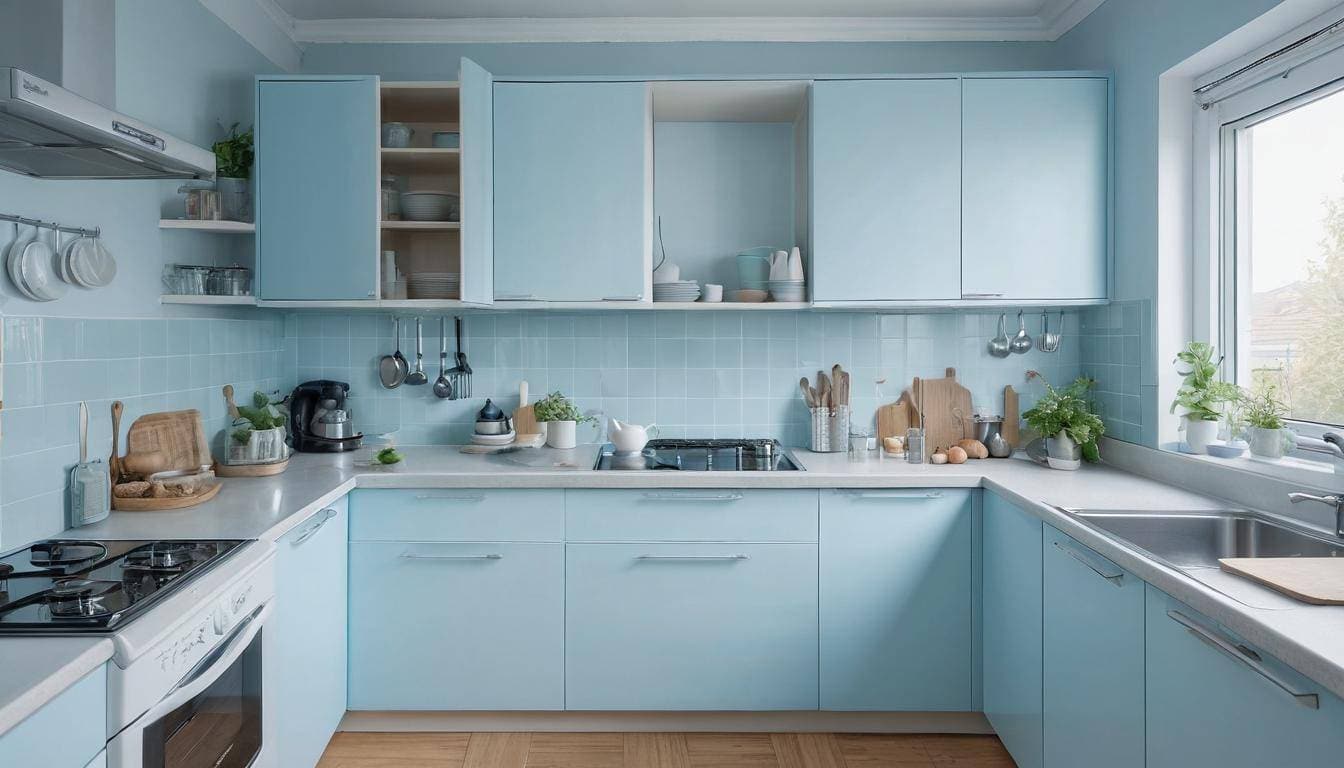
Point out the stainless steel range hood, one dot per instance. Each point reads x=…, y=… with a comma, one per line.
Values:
x=49, y=132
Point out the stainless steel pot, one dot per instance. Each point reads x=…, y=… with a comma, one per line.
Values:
x=494, y=426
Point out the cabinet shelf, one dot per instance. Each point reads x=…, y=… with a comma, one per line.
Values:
x=208, y=300
x=220, y=227
x=424, y=226
x=422, y=161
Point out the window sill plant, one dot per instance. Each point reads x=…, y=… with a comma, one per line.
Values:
x=561, y=418
x=1064, y=417
x=1201, y=395
x=1263, y=414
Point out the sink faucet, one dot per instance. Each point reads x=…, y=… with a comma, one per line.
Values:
x=1333, y=500
x=1331, y=444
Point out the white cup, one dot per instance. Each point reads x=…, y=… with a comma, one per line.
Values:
x=713, y=293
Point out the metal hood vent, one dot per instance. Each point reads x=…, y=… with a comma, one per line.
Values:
x=49, y=132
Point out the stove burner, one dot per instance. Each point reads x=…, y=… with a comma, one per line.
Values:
x=47, y=554
x=76, y=599
x=71, y=588
x=160, y=557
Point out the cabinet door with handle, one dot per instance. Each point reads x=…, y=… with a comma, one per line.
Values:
x=572, y=192
x=896, y=600
x=1093, y=652
x=309, y=631
x=1215, y=701
x=317, y=188
x=691, y=626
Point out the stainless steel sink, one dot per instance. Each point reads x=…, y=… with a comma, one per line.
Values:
x=1199, y=539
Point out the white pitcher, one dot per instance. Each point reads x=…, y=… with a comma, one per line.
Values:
x=630, y=438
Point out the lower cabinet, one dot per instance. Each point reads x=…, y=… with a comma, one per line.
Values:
x=1012, y=628
x=456, y=625
x=896, y=600
x=308, y=678
x=67, y=732
x=704, y=626
x=98, y=762
x=1093, y=654
x=1213, y=701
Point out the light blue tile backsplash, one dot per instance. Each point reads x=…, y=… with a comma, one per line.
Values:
x=151, y=364
x=1113, y=339
x=694, y=373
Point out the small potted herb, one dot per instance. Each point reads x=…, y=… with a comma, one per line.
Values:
x=1065, y=419
x=1201, y=395
x=233, y=169
x=561, y=418
x=257, y=436
x=1263, y=413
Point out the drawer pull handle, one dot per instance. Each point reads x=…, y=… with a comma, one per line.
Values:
x=465, y=497
x=912, y=495
x=327, y=514
x=693, y=496
x=1118, y=579
x=1245, y=656
x=981, y=295
x=414, y=556
x=694, y=557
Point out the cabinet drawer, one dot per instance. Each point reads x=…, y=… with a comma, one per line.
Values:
x=708, y=514
x=67, y=731
x=457, y=515
x=457, y=626
x=691, y=626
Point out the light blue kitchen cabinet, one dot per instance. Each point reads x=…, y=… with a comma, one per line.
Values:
x=896, y=600
x=98, y=762
x=317, y=188
x=886, y=190
x=1035, y=189
x=67, y=732
x=1093, y=652
x=1215, y=701
x=691, y=514
x=691, y=626
x=309, y=625
x=458, y=514
x=1012, y=607
x=457, y=626
x=477, y=100
x=572, y=191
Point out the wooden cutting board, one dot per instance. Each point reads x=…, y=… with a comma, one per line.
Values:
x=1011, y=429
x=179, y=435
x=947, y=410
x=894, y=420
x=524, y=418
x=1315, y=580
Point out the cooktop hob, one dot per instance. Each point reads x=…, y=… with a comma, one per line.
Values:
x=702, y=456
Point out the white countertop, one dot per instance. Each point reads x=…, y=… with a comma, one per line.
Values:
x=1305, y=637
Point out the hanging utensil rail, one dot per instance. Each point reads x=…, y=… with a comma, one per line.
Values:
x=95, y=232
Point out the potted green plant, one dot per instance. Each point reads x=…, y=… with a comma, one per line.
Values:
x=1263, y=413
x=1201, y=395
x=1064, y=417
x=233, y=169
x=561, y=418
x=257, y=435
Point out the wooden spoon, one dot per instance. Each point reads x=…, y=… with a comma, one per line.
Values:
x=114, y=464
x=228, y=400
x=809, y=396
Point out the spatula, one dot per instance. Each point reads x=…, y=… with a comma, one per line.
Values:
x=90, y=486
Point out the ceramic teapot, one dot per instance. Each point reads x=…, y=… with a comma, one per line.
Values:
x=630, y=438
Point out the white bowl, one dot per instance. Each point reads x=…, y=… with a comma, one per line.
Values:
x=429, y=206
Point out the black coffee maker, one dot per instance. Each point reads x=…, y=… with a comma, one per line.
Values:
x=318, y=420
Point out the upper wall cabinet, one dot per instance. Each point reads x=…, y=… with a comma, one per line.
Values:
x=572, y=191
x=886, y=190
x=1035, y=188
x=317, y=188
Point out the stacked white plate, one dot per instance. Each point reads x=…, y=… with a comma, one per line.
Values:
x=680, y=290
x=429, y=206
x=433, y=285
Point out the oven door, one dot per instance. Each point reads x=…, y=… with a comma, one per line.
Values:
x=212, y=719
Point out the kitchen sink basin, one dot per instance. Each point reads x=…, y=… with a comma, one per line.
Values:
x=1199, y=539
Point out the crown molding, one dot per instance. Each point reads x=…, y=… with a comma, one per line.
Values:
x=1060, y=16
x=264, y=25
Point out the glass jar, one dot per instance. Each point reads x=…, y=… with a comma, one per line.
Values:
x=390, y=198
x=914, y=446
x=233, y=280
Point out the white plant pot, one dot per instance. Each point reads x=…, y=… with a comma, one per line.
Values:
x=1265, y=443
x=1061, y=446
x=1199, y=433
x=561, y=434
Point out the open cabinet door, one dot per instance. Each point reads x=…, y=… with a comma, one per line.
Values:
x=478, y=187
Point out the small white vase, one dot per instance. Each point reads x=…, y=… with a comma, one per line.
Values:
x=1199, y=433
x=561, y=434
x=1265, y=443
x=1061, y=446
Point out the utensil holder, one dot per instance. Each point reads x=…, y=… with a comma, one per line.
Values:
x=830, y=429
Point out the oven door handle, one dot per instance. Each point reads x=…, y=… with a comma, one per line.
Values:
x=221, y=658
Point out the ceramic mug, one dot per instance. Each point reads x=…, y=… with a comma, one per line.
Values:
x=713, y=293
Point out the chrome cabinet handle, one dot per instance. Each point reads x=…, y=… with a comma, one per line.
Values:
x=414, y=556
x=912, y=495
x=327, y=515
x=693, y=557
x=463, y=497
x=1245, y=656
x=1118, y=579
x=672, y=496
x=981, y=295
x=515, y=296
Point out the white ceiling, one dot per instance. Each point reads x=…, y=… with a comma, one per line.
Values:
x=587, y=9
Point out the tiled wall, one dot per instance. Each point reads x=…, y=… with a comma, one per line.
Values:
x=694, y=373
x=155, y=364
x=1113, y=340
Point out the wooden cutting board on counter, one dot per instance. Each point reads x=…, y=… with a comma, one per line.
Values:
x=1315, y=580
x=178, y=435
x=1011, y=429
x=947, y=410
x=894, y=420
x=525, y=417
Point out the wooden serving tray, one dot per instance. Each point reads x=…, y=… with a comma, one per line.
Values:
x=161, y=505
x=251, y=470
